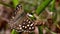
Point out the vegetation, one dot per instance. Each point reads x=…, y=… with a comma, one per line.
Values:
x=45, y=11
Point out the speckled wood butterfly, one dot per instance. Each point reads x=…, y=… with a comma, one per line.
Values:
x=21, y=21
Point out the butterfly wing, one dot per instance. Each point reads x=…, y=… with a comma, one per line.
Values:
x=21, y=21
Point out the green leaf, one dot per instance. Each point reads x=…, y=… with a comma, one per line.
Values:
x=14, y=32
x=42, y=6
x=15, y=3
x=53, y=6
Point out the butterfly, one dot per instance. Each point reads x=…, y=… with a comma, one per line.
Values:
x=21, y=21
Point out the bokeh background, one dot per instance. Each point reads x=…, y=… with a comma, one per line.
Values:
x=47, y=13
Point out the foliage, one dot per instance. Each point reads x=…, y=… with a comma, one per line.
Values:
x=39, y=6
